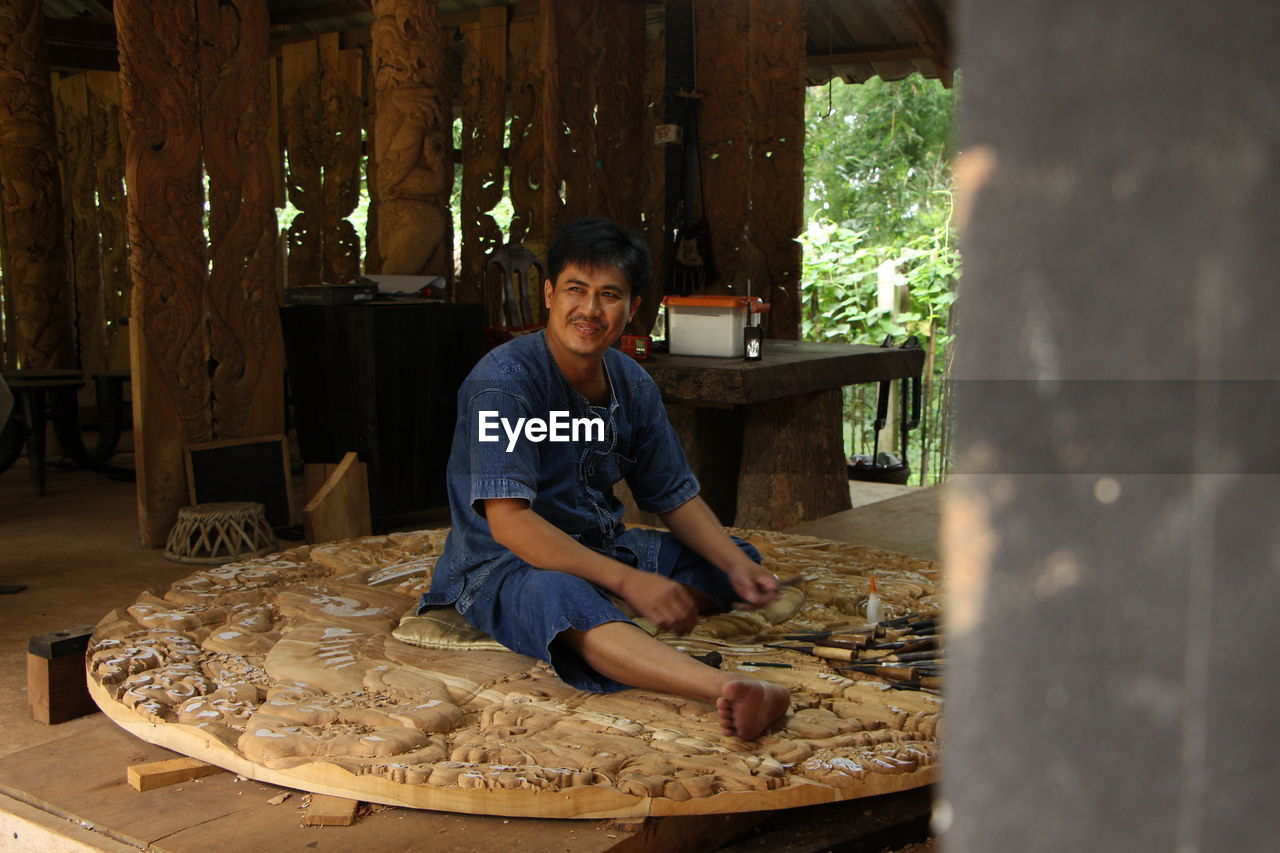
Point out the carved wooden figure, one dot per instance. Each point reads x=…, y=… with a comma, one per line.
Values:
x=113, y=245
x=284, y=669
x=412, y=136
x=30, y=193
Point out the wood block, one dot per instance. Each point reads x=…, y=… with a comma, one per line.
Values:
x=340, y=510
x=330, y=811
x=157, y=774
x=56, y=687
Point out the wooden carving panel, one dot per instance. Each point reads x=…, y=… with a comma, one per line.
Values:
x=412, y=138
x=619, y=143
x=484, y=85
x=284, y=669
x=171, y=387
x=113, y=245
x=246, y=351
x=775, y=75
x=303, y=129
x=34, y=252
x=532, y=193
x=725, y=128
x=340, y=72
x=750, y=70
x=570, y=129
x=76, y=157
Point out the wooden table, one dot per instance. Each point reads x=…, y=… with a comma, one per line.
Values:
x=765, y=437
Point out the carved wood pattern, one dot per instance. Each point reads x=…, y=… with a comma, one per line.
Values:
x=284, y=669
x=113, y=245
x=619, y=144
x=340, y=154
x=35, y=255
x=775, y=75
x=531, y=198
x=372, y=252
x=571, y=138
x=750, y=68
x=245, y=341
x=303, y=129
x=484, y=84
x=413, y=138
x=76, y=152
x=167, y=261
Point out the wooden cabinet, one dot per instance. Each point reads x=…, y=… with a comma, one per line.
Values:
x=381, y=379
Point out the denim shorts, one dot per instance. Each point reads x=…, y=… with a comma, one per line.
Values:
x=527, y=609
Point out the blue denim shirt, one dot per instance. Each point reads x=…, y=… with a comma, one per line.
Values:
x=568, y=483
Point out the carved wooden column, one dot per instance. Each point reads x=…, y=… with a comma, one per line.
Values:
x=205, y=341
x=340, y=73
x=484, y=85
x=30, y=193
x=750, y=69
x=246, y=350
x=171, y=387
x=413, y=144
x=303, y=114
x=533, y=197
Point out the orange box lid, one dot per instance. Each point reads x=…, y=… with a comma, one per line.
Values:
x=718, y=300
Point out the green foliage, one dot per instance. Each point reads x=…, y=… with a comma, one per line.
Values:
x=878, y=203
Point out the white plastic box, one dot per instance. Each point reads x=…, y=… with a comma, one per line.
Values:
x=709, y=325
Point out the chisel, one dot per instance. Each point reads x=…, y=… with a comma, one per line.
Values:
x=905, y=657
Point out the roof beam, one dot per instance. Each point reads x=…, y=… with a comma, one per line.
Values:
x=895, y=52
x=926, y=22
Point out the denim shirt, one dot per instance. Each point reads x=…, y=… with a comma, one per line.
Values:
x=568, y=483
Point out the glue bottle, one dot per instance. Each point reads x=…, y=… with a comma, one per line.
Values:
x=873, y=604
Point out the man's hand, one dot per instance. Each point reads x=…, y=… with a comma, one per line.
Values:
x=753, y=583
x=663, y=601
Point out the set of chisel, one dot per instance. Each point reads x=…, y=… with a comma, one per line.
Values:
x=907, y=651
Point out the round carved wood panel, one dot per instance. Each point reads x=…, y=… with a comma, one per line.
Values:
x=284, y=669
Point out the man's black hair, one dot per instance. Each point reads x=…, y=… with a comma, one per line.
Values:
x=595, y=243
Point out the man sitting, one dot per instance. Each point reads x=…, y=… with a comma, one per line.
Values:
x=538, y=546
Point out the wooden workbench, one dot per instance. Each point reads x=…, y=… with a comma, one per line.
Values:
x=765, y=438
x=74, y=789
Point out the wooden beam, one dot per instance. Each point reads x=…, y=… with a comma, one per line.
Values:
x=157, y=774
x=894, y=52
x=926, y=22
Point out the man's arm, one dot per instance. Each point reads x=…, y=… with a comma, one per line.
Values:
x=515, y=526
x=695, y=525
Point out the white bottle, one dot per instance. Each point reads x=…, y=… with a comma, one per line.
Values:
x=873, y=604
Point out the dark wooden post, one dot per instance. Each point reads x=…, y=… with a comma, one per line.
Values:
x=1109, y=537
x=31, y=195
x=413, y=139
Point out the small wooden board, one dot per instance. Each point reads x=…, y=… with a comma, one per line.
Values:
x=157, y=774
x=330, y=811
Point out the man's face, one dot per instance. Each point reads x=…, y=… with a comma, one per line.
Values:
x=587, y=309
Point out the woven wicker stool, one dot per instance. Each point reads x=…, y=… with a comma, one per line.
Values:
x=212, y=534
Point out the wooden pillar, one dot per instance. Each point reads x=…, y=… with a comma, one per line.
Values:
x=303, y=110
x=167, y=262
x=750, y=71
x=413, y=144
x=484, y=85
x=533, y=197
x=205, y=340
x=30, y=194
x=246, y=350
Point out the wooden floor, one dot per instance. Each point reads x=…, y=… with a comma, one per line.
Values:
x=77, y=551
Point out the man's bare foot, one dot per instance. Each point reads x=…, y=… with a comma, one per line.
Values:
x=747, y=707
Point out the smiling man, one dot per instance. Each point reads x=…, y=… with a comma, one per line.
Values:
x=538, y=556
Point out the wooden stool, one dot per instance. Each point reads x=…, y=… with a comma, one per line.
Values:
x=216, y=533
